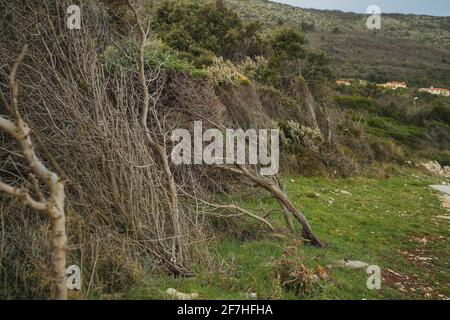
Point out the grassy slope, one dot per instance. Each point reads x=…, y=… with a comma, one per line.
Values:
x=412, y=48
x=381, y=223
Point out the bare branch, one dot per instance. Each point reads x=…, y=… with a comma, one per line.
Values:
x=177, y=247
x=54, y=206
x=23, y=196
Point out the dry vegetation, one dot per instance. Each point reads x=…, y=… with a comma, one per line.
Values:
x=129, y=213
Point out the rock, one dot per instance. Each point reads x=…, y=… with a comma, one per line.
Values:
x=353, y=264
x=313, y=195
x=442, y=188
x=423, y=240
x=345, y=192
x=436, y=168
x=424, y=258
x=182, y=296
x=251, y=295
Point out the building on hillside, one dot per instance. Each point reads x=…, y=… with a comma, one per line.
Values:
x=436, y=91
x=343, y=82
x=393, y=85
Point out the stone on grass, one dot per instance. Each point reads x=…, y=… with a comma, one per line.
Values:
x=180, y=295
x=353, y=264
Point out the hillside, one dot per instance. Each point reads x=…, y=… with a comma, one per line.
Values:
x=412, y=48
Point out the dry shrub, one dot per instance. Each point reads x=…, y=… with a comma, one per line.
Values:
x=387, y=151
x=306, y=152
x=120, y=224
x=293, y=275
x=224, y=73
x=278, y=105
x=117, y=203
x=382, y=170
x=243, y=107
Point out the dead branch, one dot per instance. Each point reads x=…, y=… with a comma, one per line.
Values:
x=281, y=197
x=53, y=207
x=273, y=188
x=237, y=208
x=160, y=149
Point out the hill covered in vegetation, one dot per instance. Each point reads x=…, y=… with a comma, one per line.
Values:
x=411, y=48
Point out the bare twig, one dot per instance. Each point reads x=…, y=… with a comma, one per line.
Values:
x=160, y=149
x=53, y=208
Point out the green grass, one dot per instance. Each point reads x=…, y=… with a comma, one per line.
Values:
x=381, y=219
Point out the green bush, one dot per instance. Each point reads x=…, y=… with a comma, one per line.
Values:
x=357, y=102
x=289, y=44
x=196, y=27
x=440, y=112
x=156, y=54
x=393, y=111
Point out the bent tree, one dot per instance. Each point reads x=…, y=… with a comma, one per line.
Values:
x=270, y=185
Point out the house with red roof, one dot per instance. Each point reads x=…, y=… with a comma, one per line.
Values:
x=436, y=91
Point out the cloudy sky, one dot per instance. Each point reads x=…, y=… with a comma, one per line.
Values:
x=429, y=7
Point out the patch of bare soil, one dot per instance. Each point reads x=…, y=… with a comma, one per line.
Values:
x=411, y=285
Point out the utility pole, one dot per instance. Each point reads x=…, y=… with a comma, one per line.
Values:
x=415, y=99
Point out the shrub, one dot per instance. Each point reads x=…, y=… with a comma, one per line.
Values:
x=386, y=150
x=296, y=137
x=388, y=128
x=395, y=112
x=157, y=54
x=293, y=275
x=192, y=26
x=225, y=73
x=440, y=112
x=289, y=44
x=318, y=71
x=443, y=158
x=356, y=102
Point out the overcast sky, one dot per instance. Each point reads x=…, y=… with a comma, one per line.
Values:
x=428, y=7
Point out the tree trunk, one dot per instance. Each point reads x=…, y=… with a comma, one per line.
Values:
x=286, y=202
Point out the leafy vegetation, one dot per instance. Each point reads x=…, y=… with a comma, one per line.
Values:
x=204, y=30
x=440, y=112
x=356, y=102
x=157, y=55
